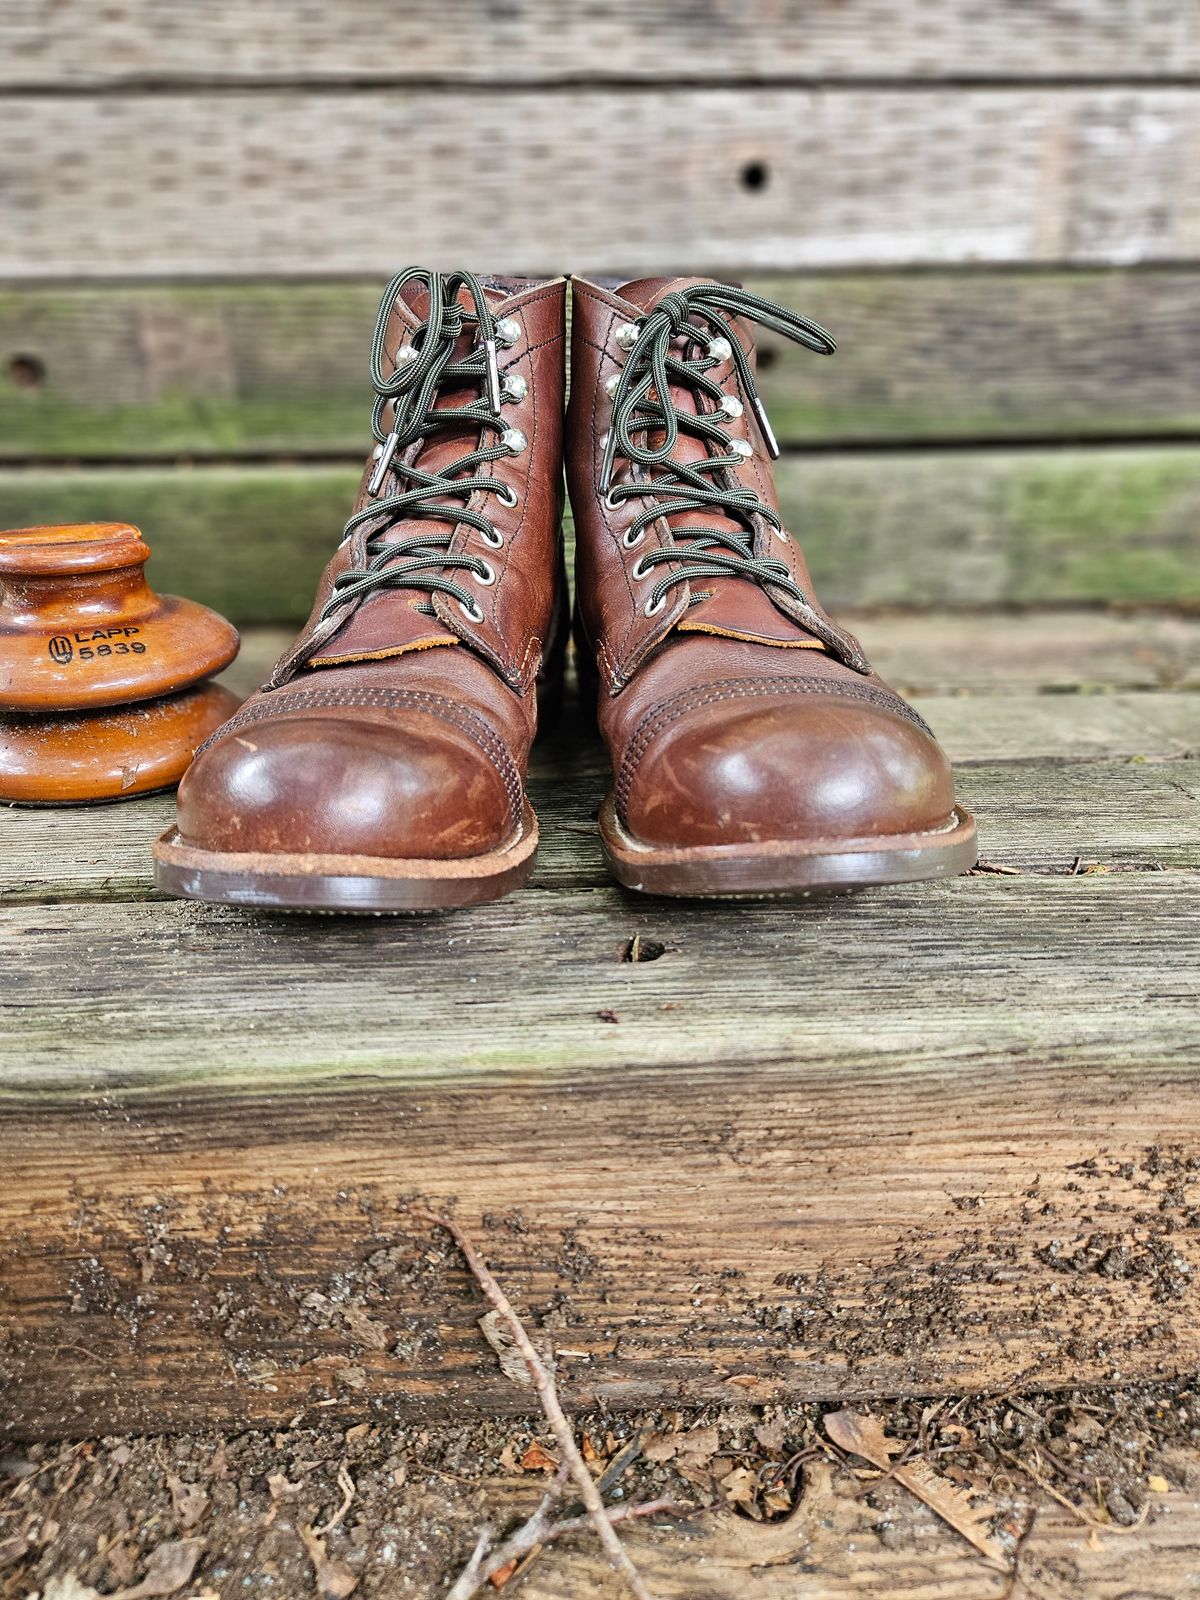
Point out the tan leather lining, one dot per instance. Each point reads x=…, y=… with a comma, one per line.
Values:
x=752, y=638
x=384, y=655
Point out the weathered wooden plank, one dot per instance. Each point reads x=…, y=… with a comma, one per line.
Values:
x=1032, y=818
x=936, y=1139
x=1015, y=652
x=245, y=183
x=969, y=528
x=411, y=1001
x=541, y=40
x=844, y=1545
x=975, y=527
x=261, y=368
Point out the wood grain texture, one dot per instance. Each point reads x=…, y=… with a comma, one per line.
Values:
x=956, y=528
x=237, y=182
x=840, y=1545
x=540, y=40
x=893, y=1174
x=266, y=368
x=1034, y=818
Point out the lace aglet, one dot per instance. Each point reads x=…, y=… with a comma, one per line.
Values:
x=606, y=465
x=383, y=464
x=764, y=423
x=493, y=373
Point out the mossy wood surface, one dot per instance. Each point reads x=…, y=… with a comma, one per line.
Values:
x=956, y=528
x=281, y=368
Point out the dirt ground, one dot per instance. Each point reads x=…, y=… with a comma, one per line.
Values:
x=394, y=1511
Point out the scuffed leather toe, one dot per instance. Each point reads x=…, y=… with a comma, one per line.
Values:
x=786, y=769
x=337, y=786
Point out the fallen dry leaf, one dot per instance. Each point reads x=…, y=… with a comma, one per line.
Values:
x=189, y=1501
x=535, y=1459
x=281, y=1488
x=738, y=1486
x=168, y=1569
x=966, y=1514
x=661, y=1447
x=334, y=1579
x=512, y=1362
x=699, y=1446
x=502, y=1574
x=68, y=1587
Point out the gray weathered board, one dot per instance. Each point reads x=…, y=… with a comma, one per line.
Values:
x=925, y=1139
x=303, y=181
x=531, y=41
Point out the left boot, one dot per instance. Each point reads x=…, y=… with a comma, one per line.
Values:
x=382, y=766
x=754, y=749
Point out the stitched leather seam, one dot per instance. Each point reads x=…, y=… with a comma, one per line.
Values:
x=436, y=705
x=667, y=711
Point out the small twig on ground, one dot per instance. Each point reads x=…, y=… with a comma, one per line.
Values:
x=547, y=1392
x=1067, y=1504
x=539, y=1531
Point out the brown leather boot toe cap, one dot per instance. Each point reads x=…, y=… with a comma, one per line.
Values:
x=792, y=768
x=410, y=788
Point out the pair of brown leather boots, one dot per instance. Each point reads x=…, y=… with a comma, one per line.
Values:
x=382, y=766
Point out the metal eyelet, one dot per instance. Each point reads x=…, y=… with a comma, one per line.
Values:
x=507, y=495
x=508, y=331
x=515, y=387
x=639, y=572
x=720, y=349
x=730, y=407
x=493, y=540
x=782, y=534
x=609, y=502
x=490, y=578
x=377, y=453
x=473, y=613
x=513, y=440
x=632, y=544
x=611, y=384
x=653, y=607
x=741, y=447
x=406, y=356
x=627, y=335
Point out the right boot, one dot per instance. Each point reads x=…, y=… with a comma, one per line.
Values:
x=382, y=765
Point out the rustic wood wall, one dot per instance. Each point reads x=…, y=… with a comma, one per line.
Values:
x=996, y=208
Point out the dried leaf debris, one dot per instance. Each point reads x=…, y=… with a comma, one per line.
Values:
x=965, y=1512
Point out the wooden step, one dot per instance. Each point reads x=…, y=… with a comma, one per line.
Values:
x=923, y=1140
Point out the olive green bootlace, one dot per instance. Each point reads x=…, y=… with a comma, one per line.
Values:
x=642, y=406
x=410, y=386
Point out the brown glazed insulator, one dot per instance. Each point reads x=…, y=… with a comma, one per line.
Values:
x=81, y=627
x=102, y=681
x=108, y=754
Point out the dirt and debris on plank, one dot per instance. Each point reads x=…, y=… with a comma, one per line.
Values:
x=322, y=1509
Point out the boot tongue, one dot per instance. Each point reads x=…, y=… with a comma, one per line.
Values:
x=389, y=622
x=734, y=607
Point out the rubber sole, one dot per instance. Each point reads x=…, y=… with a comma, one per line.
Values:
x=332, y=883
x=787, y=867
